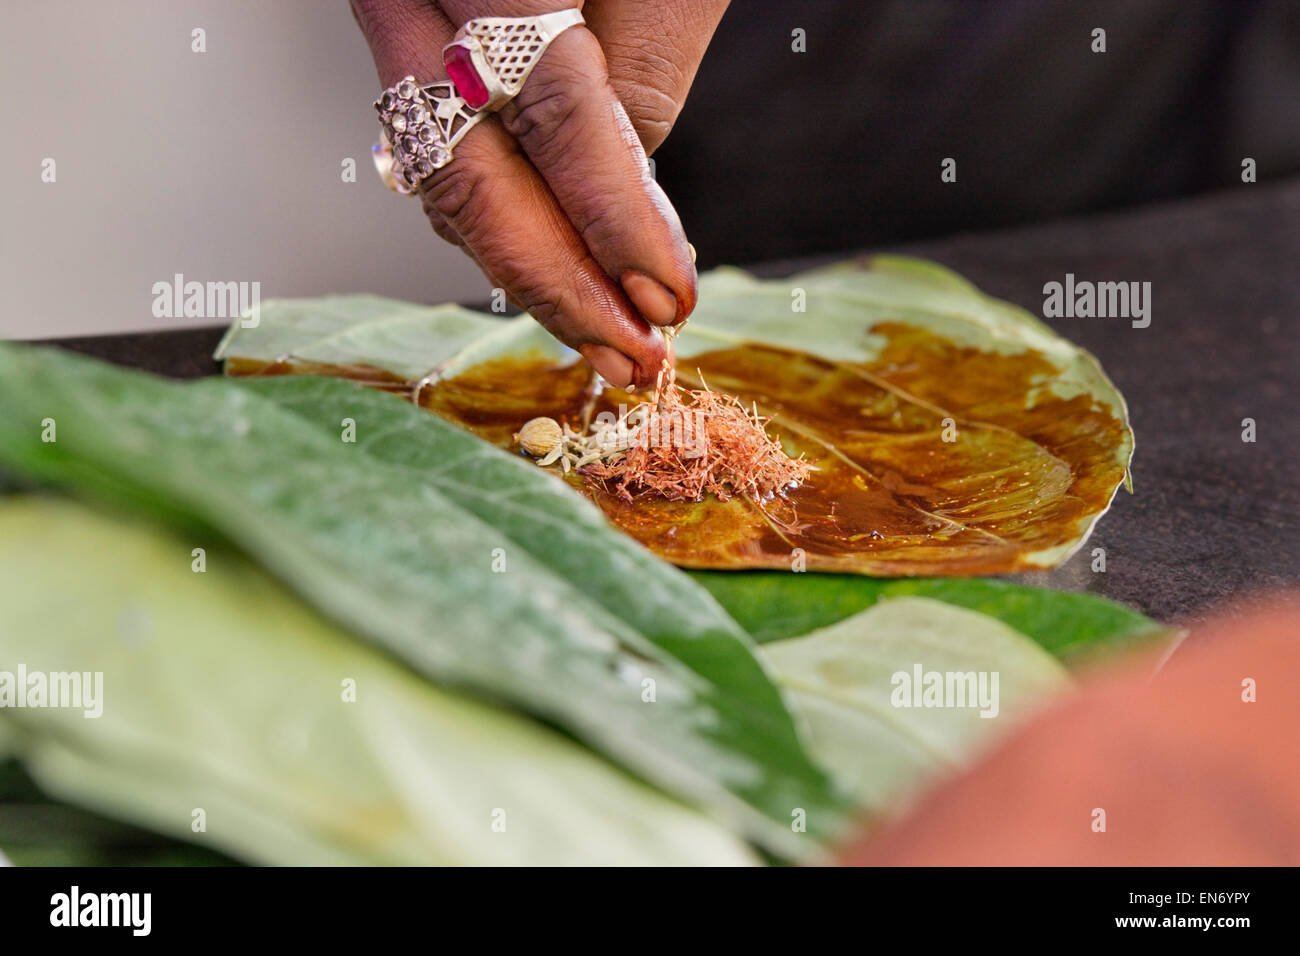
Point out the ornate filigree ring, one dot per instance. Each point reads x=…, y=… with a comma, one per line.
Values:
x=491, y=57
x=421, y=125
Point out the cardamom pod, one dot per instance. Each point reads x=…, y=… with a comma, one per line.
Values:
x=540, y=436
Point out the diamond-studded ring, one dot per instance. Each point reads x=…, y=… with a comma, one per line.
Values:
x=421, y=125
x=491, y=57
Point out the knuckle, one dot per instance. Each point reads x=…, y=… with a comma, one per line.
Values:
x=442, y=227
x=545, y=119
x=653, y=115
x=546, y=306
x=450, y=194
x=647, y=65
x=600, y=225
x=651, y=76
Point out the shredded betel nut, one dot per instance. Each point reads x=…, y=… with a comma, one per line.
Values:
x=682, y=444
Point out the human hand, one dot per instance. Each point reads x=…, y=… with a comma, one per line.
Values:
x=552, y=196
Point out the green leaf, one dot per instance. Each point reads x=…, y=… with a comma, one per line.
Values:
x=858, y=685
x=571, y=630
x=223, y=692
x=1075, y=627
x=36, y=831
x=954, y=434
x=539, y=518
x=370, y=331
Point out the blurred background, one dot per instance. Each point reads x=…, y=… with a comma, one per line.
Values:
x=780, y=153
x=223, y=166
x=228, y=165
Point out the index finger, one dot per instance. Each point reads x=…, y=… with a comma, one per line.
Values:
x=577, y=134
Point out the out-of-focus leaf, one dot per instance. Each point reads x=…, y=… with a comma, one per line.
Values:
x=855, y=684
x=954, y=434
x=36, y=831
x=1078, y=628
x=223, y=692
x=578, y=626
x=1188, y=773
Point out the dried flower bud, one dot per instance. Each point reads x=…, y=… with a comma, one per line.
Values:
x=540, y=436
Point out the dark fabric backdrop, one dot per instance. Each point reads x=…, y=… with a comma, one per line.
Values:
x=779, y=153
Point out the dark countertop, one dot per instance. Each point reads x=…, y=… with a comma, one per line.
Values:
x=1212, y=516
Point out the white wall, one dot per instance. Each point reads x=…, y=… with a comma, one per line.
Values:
x=223, y=166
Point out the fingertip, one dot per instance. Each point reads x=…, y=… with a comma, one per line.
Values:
x=688, y=293
x=673, y=263
x=650, y=361
x=657, y=303
x=613, y=366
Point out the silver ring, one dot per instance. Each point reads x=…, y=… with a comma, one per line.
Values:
x=421, y=125
x=491, y=57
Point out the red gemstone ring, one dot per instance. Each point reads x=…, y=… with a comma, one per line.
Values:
x=491, y=57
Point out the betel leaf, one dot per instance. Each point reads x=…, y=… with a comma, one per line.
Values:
x=954, y=434
x=909, y=689
x=38, y=831
x=221, y=692
x=1077, y=628
x=456, y=469
x=539, y=518
x=444, y=587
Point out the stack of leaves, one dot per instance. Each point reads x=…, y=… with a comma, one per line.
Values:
x=355, y=631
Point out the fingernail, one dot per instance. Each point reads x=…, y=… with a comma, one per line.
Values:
x=652, y=299
x=691, y=248
x=613, y=366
